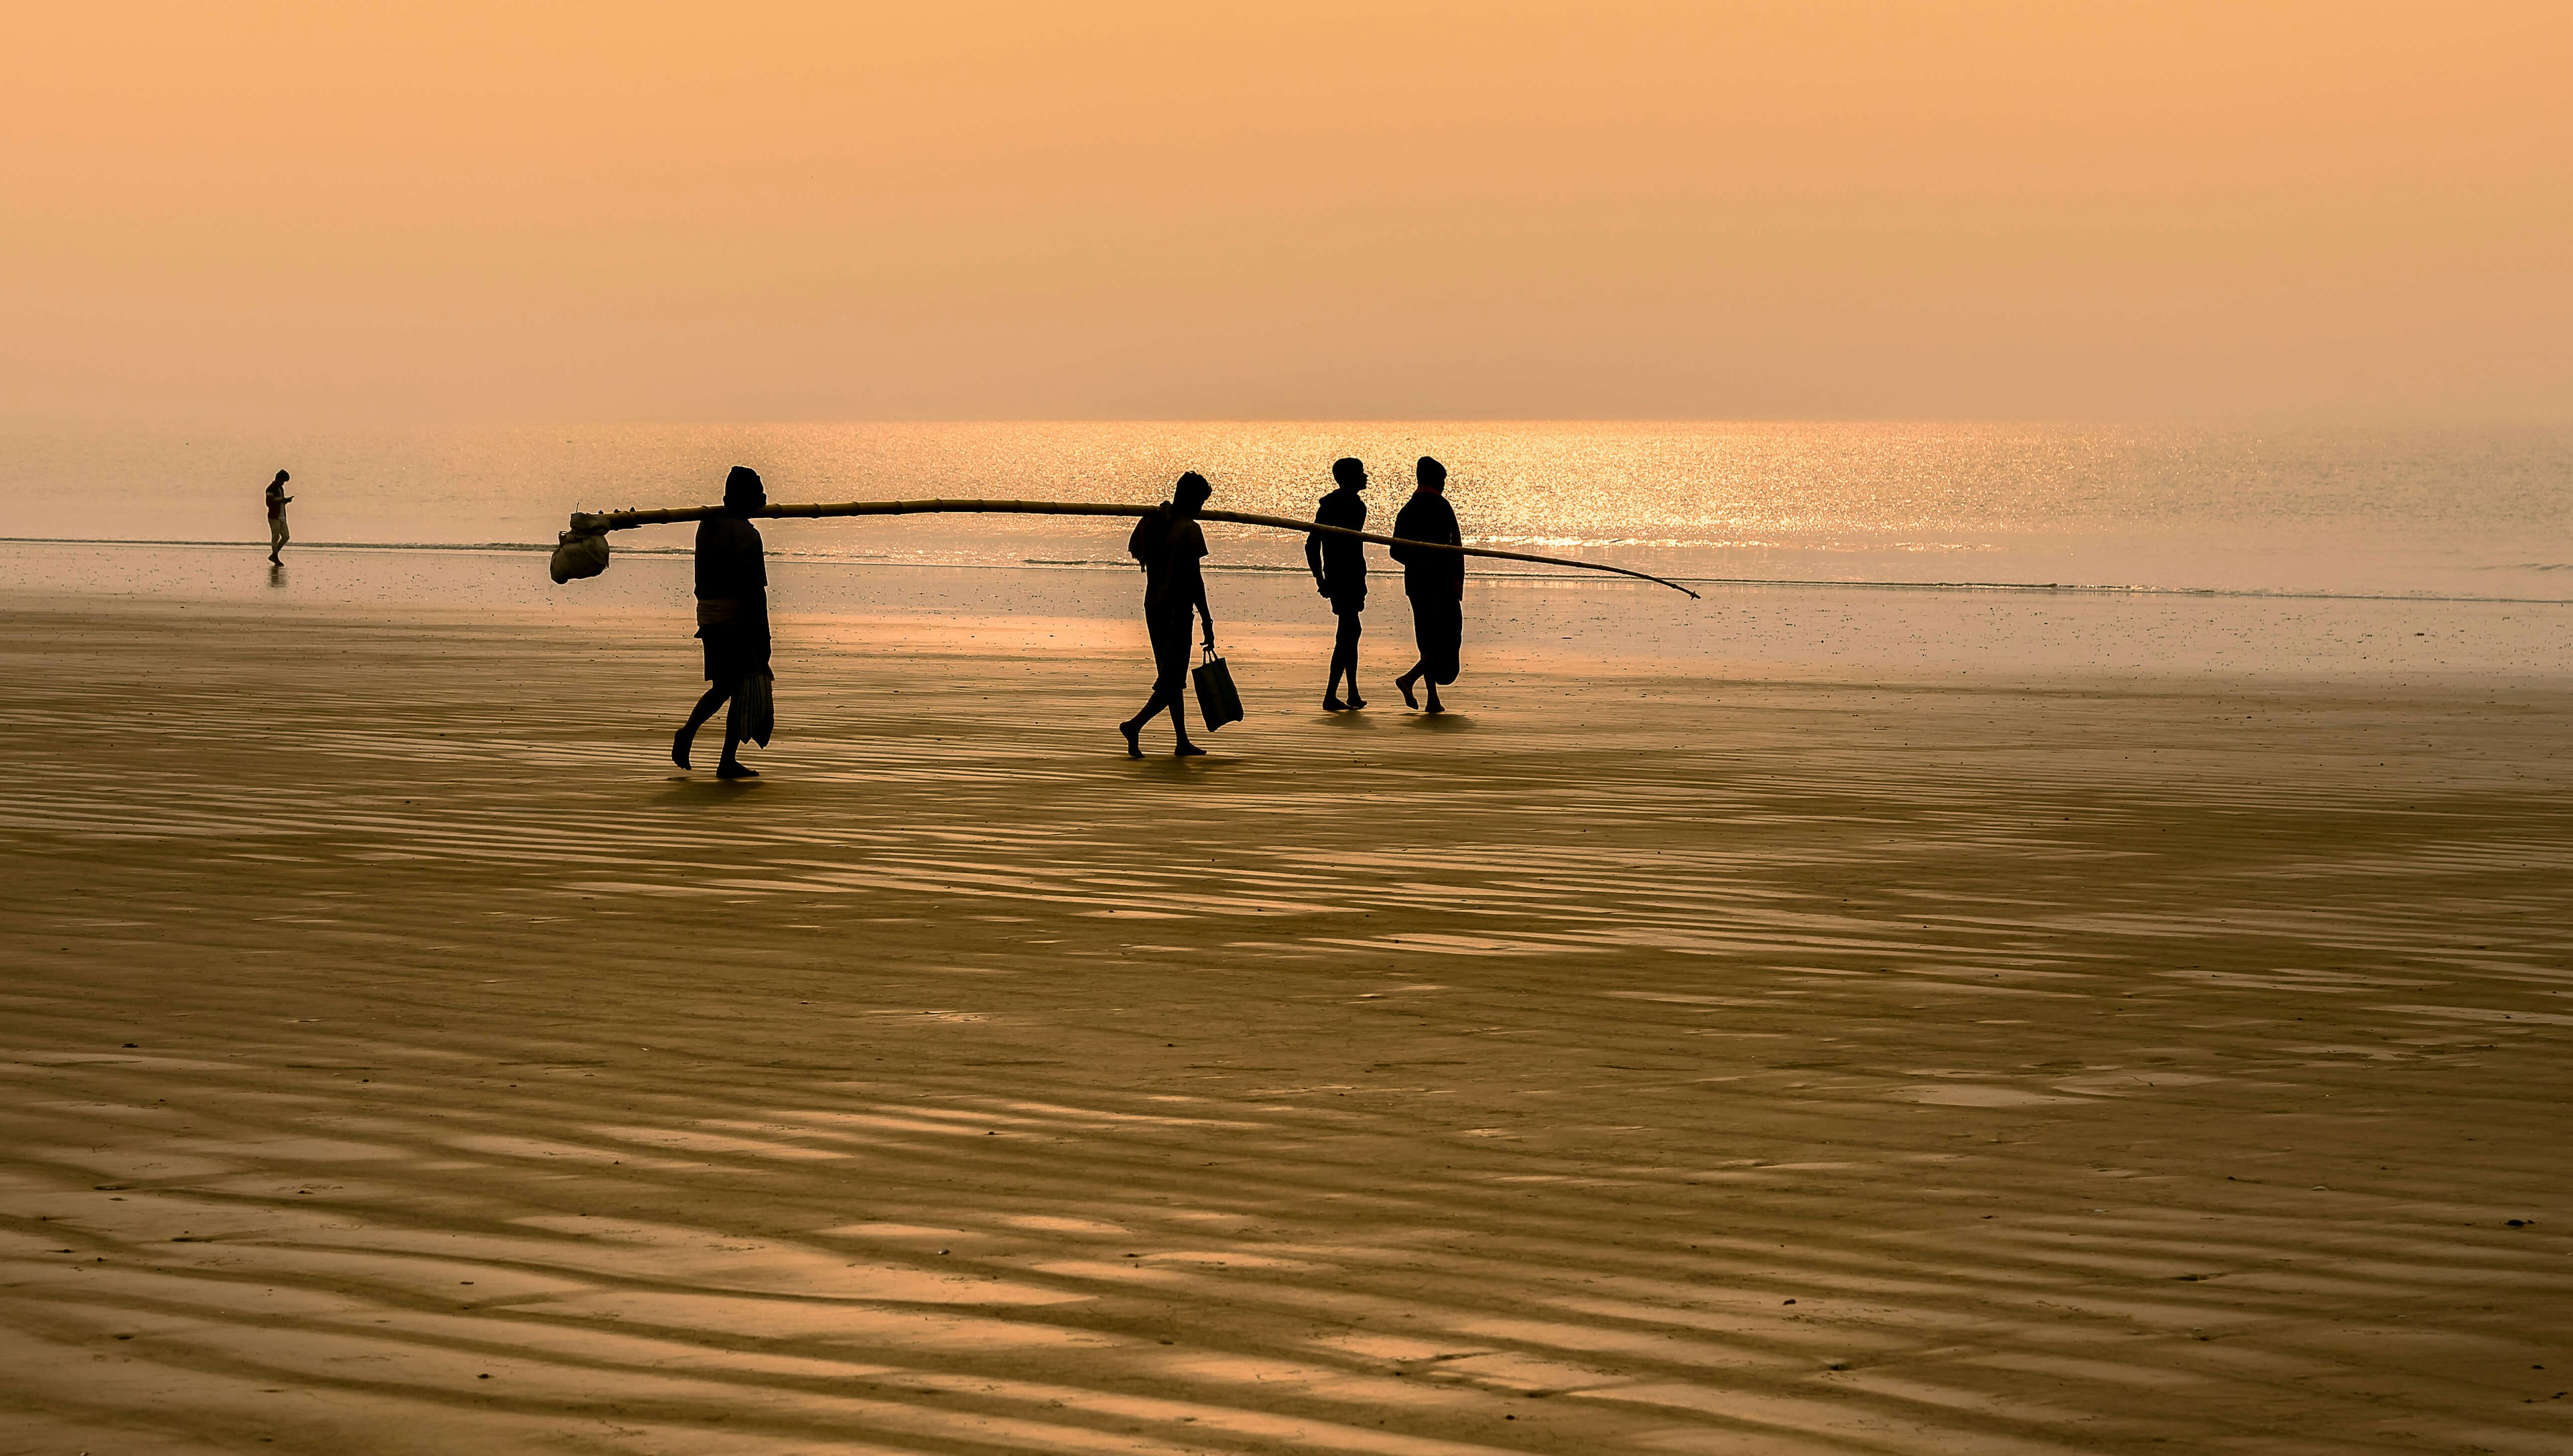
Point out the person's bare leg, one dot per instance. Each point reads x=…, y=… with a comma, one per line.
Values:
x=698, y=716
x=1435, y=705
x=1404, y=684
x=1180, y=726
x=1133, y=727
x=1349, y=629
x=730, y=765
x=1344, y=663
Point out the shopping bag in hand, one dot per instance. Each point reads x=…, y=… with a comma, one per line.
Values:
x=1217, y=703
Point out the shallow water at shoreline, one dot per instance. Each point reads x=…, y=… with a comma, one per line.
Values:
x=1798, y=631
x=2363, y=511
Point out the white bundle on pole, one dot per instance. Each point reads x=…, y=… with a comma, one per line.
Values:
x=584, y=548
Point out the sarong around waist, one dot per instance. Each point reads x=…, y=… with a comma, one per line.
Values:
x=735, y=632
x=1438, y=627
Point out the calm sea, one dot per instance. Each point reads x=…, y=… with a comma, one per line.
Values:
x=2406, y=512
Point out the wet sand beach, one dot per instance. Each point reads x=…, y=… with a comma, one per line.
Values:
x=403, y=1057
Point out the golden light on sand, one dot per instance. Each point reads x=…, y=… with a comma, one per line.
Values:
x=1642, y=1060
x=2053, y=940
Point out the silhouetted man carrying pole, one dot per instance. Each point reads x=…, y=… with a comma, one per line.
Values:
x=1339, y=574
x=1169, y=543
x=276, y=498
x=732, y=617
x=1434, y=580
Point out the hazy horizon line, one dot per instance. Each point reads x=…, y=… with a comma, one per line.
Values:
x=2246, y=420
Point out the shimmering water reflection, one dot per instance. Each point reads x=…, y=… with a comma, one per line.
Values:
x=2448, y=512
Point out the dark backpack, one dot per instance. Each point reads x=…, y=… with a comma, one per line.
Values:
x=1151, y=534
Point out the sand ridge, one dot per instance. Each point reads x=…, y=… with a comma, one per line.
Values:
x=1624, y=1063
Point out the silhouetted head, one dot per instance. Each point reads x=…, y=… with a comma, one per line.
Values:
x=1350, y=473
x=1432, y=475
x=281, y=479
x=1191, y=492
x=742, y=491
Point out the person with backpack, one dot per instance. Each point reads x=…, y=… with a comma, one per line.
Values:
x=1169, y=543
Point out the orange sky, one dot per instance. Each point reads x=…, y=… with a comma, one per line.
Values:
x=530, y=210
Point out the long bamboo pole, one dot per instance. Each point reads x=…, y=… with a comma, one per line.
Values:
x=585, y=523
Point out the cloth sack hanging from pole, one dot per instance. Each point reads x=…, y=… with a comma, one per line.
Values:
x=577, y=555
x=1217, y=703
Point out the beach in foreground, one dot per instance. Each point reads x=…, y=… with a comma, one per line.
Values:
x=403, y=1057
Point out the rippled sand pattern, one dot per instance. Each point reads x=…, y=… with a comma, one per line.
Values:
x=400, y=1058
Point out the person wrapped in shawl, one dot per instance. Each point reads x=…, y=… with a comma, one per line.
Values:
x=1434, y=580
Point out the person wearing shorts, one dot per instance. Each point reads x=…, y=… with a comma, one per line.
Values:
x=1340, y=574
x=1169, y=543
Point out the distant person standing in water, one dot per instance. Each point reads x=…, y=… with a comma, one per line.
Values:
x=1339, y=574
x=1434, y=580
x=732, y=617
x=1169, y=543
x=276, y=498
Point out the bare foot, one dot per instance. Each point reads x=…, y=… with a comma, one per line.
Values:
x=735, y=771
x=1356, y=702
x=1435, y=705
x=1188, y=750
x=1332, y=705
x=1404, y=686
x=1134, y=738
x=680, y=742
